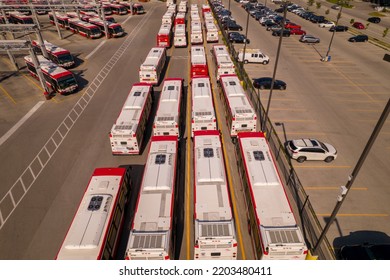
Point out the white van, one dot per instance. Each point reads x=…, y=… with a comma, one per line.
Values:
x=253, y=56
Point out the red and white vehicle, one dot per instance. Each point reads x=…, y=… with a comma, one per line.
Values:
x=206, y=8
x=180, y=18
x=107, y=8
x=62, y=19
x=194, y=15
x=168, y=18
x=127, y=133
x=115, y=30
x=215, y=234
x=164, y=36
x=118, y=9
x=86, y=15
x=182, y=7
x=196, y=32
x=180, y=37
x=211, y=32
x=198, y=62
x=56, y=77
x=96, y=227
x=240, y=116
x=151, y=69
x=138, y=9
x=19, y=18
x=273, y=228
x=59, y=56
x=224, y=64
x=167, y=120
x=85, y=29
x=203, y=114
x=153, y=230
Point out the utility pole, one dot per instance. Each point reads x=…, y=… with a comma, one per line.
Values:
x=263, y=126
x=341, y=3
x=345, y=189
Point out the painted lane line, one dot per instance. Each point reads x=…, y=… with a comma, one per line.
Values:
x=28, y=178
x=20, y=122
x=95, y=50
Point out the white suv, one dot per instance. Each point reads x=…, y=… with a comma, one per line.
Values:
x=310, y=149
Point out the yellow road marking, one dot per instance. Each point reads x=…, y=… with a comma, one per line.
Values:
x=288, y=121
x=353, y=215
x=7, y=94
x=33, y=82
x=306, y=132
x=363, y=110
x=231, y=189
x=287, y=109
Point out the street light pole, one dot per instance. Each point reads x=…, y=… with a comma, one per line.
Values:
x=246, y=37
x=345, y=189
x=263, y=128
x=334, y=30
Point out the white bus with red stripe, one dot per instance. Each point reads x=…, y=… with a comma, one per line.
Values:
x=198, y=62
x=215, y=234
x=56, y=77
x=59, y=56
x=97, y=225
x=224, y=64
x=115, y=30
x=196, y=32
x=62, y=19
x=203, y=113
x=167, y=119
x=240, y=116
x=180, y=37
x=127, y=134
x=118, y=9
x=164, y=36
x=153, y=230
x=85, y=29
x=205, y=8
x=211, y=32
x=273, y=229
x=151, y=69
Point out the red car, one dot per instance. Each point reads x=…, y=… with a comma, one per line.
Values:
x=292, y=25
x=297, y=31
x=358, y=25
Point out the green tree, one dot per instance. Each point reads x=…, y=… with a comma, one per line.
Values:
x=352, y=21
x=318, y=5
x=310, y=2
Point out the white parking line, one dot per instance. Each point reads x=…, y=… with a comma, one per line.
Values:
x=95, y=50
x=20, y=122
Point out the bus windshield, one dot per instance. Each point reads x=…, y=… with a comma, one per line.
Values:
x=95, y=31
x=66, y=57
x=117, y=29
x=67, y=81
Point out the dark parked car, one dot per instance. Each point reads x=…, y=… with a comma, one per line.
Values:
x=339, y=28
x=265, y=83
x=374, y=19
x=230, y=25
x=286, y=33
x=365, y=252
x=359, y=38
x=236, y=37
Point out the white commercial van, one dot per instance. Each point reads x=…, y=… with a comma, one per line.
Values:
x=253, y=56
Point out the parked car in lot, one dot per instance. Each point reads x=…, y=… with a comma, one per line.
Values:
x=252, y=56
x=296, y=31
x=236, y=37
x=358, y=38
x=265, y=83
x=230, y=25
x=335, y=7
x=374, y=19
x=309, y=39
x=310, y=149
x=326, y=24
x=286, y=32
x=339, y=28
x=365, y=251
x=358, y=25
x=274, y=27
x=292, y=25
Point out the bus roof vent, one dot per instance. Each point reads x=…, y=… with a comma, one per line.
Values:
x=284, y=236
x=209, y=230
x=148, y=241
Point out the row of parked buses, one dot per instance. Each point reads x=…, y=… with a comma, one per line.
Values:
x=88, y=26
x=153, y=231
